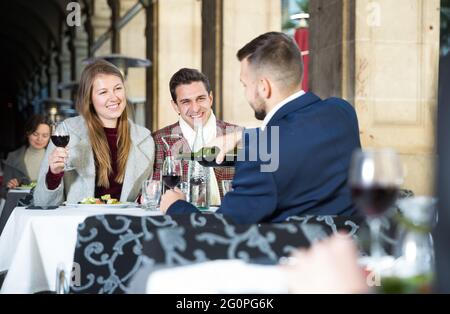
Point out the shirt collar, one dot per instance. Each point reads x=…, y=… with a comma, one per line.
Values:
x=209, y=130
x=278, y=107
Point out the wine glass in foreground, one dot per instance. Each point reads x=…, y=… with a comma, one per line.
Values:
x=375, y=178
x=60, y=138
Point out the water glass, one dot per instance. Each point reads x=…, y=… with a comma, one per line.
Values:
x=184, y=187
x=226, y=186
x=151, y=194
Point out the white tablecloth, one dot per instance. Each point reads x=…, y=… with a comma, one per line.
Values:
x=35, y=242
x=220, y=276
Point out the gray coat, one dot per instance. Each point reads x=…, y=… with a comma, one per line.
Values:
x=80, y=182
x=14, y=167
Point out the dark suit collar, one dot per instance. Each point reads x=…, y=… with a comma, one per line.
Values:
x=298, y=103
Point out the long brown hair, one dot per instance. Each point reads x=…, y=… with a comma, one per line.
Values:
x=97, y=135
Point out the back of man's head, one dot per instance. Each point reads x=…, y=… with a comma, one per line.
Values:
x=276, y=54
x=187, y=76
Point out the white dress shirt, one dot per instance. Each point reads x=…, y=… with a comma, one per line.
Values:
x=272, y=112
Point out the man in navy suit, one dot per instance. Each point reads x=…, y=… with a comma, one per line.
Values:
x=309, y=140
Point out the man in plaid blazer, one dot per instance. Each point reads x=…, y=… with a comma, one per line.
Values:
x=192, y=99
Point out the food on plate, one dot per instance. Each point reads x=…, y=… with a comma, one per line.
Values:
x=29, y=186
x=105, y=199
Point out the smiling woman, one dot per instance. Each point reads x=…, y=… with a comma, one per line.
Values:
x=104, y=145
x=108, y=98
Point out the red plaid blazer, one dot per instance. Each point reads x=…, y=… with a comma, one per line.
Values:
x=177, y=145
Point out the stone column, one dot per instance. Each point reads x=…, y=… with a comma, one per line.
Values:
x=383, y=57
x=35, y=90
x=53, y=75
x=29, y=92
x=262, y=16
x=64, y=67
x=115, y=16
x=212, y=49
x=101, y=22
x=78, y=49
x=151, y=74
x=133, y=44
x=179, y=45
x=88, y=26
x=43, y=81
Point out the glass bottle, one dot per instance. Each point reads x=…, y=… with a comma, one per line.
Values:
x=198, y=176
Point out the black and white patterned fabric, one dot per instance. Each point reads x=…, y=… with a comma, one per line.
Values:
x=110, y=249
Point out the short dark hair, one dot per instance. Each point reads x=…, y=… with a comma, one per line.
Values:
x=187, y=76
x=32, y=124
x=277, y=51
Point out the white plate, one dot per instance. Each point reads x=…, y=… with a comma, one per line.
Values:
x=23, y=188
x=121, y=205
x=211, y=209
x=22, y=191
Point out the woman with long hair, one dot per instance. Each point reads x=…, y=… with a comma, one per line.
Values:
x=22, y=165
x=108, y=152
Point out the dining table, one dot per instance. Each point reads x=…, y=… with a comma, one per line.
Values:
x=12, y=199
x=36, y=243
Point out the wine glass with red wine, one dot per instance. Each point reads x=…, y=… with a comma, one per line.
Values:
x=375, y=178
x=60, y=138
x=171, y=172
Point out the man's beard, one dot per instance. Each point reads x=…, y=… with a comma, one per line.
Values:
x=260, y=107
x=260, y=114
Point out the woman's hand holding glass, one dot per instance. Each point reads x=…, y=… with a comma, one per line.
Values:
x=60, y=138
x=56, y=160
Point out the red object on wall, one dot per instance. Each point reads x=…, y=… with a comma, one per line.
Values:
x=301, y=37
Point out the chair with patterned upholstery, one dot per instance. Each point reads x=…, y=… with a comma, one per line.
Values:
x=110, y=249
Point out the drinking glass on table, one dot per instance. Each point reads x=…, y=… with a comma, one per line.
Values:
x=60, y=138
x=375, y=178
x=413, y=268
x=151, y=194
x=172, y=171
x=184, y=187
x=226, y=186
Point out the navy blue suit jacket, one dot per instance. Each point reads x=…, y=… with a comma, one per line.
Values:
x=316, y=140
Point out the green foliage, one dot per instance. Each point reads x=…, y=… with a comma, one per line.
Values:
x=288, y=24
x=303, y=5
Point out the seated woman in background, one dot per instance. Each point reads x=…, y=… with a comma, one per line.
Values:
x=22, y=165
x=109, y=153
